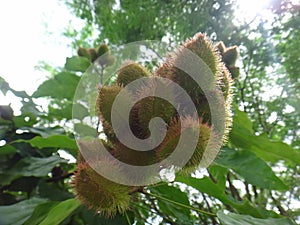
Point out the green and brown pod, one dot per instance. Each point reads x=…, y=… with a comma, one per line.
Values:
x=97, y=192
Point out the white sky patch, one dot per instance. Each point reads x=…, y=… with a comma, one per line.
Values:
x=288, y=109
x=65, y=155
x=2, y=143
x=272, y=118
x=31, y=32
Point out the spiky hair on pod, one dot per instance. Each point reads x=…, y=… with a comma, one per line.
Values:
x=217, y=84
x=221, y=47
x=154, y=106
x=93, y=54
x=189, y=126
x=226, y=83
x=131, y=71
x=99, y=193
x=83, y=52
x=133, y=157
x=102, y=49
x=198, y=48
x=105, y=58
x=207, y=148
x=230, y=55
x=204, y=48
x=104, y=104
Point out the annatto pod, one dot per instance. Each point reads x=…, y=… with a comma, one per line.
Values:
x=6, y=112
x=102, y=49
x=217, y=84
x=131, y=71
x=98, y=193
x=83, y=52
x=93, y=54
x=229, y=57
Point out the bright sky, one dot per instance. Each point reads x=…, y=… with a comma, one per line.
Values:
x=249, y=9
x=31, y=32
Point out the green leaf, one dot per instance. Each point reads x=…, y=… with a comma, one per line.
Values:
x=24, y=184
x=7, y=150
x=90, y=218
x=80, y=111
x=18, y=213
x=274, y=150
x=60, y=212
x=242, y=118
x=77, y=63
x=31, y=166
x=45, y=132
x=180, y=213
x=55, y=141
x=63, y=111
x=219, y=174
x=252, y=168
x=85, y=130
x=3, y=129
x=206, y=185
x=62, y=86
x=264, y=148
x=40, y=212
x=53, y=191
x=236, y=219
x=4, y=86
x=25, y=120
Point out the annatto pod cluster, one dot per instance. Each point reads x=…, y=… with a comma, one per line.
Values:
x=101, y=53
x=107, y=197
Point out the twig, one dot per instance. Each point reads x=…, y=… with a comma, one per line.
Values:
x=233, y=190
x=54, y=179
x=178, y=203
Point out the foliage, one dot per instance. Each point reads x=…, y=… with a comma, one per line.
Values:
x=256, y=176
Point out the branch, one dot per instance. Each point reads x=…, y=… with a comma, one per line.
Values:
x=279, y=207
x=247, y=191
x=209, y=209
x=178, y=203
x=62, y=177
x=233, y=190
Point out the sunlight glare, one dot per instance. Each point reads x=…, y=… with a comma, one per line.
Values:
x=248, y=10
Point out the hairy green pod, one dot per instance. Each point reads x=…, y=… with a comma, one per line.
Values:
x=83, y=52
x=93, y=54
x=131, y=71
x=230, y=56
x=98, y=193
x=102, y=49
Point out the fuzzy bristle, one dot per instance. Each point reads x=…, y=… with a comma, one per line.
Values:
x=83, y=52
x=105, y=101
x=131, y=71
x=98, y=193
x=230, y=55
x=102, y=49
x=93, y=54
